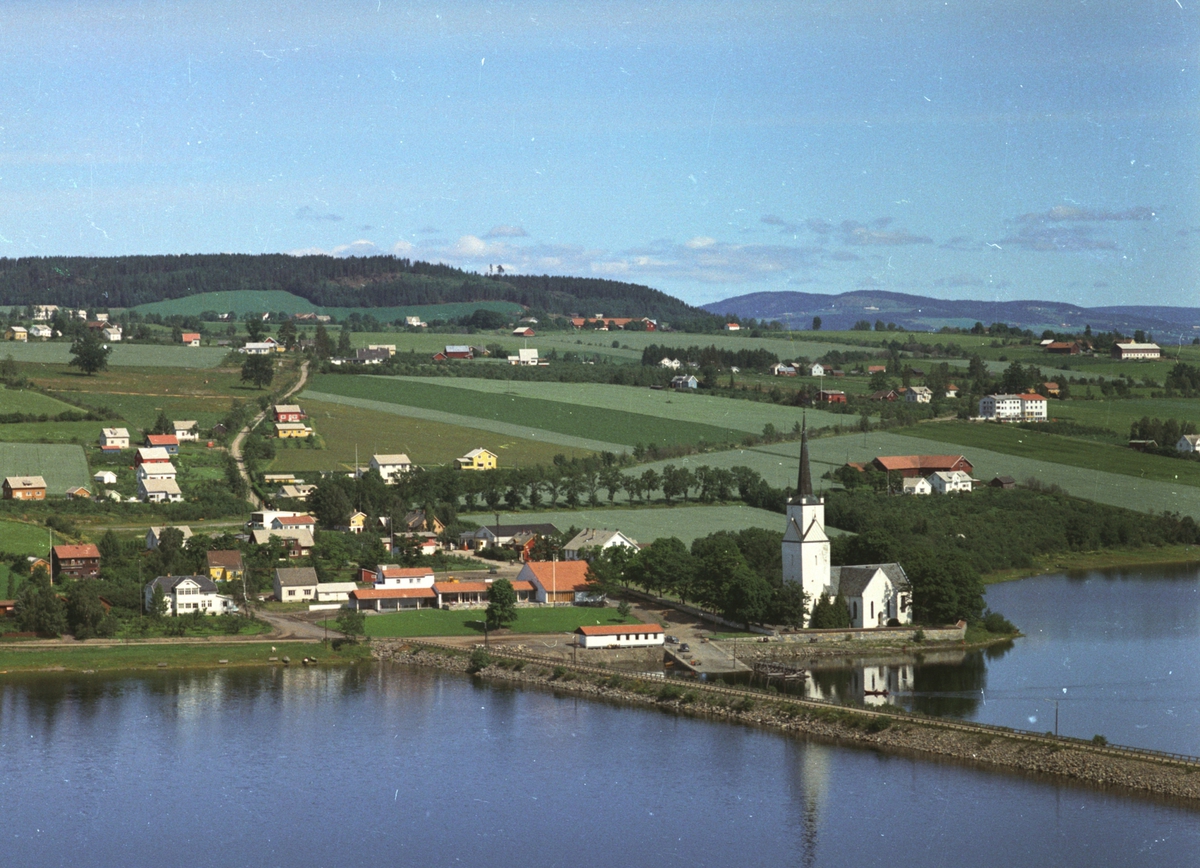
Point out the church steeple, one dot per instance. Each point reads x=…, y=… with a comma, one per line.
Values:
x=804, y=486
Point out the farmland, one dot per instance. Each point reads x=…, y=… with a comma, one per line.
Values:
x=61, y=466
x=22, y=538
x=574, y=419
x=123, y=355
x=646, y=524
x=1118, y=415
x=343, y=427
x=34, y=403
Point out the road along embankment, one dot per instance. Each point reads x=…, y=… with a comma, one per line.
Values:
x=1136, y=771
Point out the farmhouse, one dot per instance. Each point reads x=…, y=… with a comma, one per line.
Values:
x=289, y=413
x=190, y=339
x=816, y=370
x=225, y=565
x=1063, y=348
x=111, y=333
x=75, y=562
x=596, y=540
x=477, y=459
x=184, y=595
x=24, y=488
x=782, y=369
x=458, y=351
x=391, y=467
x=294, y=584
x=733, y=327
x=1134, y=350
x=296, y=430
x=883, y=395
x=921, y=465
x=527, y=358
x=672, y=364
x=875, y=593
x=523, y=332
x=114, y=439
x=947, y=482
x=44, y=312
x=915, y=485
x=558, y=582
x=620, y=635
x=168, y=442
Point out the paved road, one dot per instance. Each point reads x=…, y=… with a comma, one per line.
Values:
x=235, y=448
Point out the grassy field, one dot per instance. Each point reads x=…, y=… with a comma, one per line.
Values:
x=84, y=657
x=1117, y=415
x=27, y=401
x=123, y=355
x=648, y=523
x=257, y=301
x=427, y=442
x=23, y=538
x=61, y=466
x=747, y=416
x=55, y=432
x=437, y=622
x=563, y=417
x=1060, y=450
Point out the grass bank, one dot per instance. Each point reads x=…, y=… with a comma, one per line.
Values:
x=180, y=655
x=469, y=622
x=1112, y=558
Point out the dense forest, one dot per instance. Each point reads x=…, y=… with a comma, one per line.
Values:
x=364, y=282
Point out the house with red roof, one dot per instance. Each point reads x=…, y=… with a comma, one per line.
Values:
x=619, y=635
x=558, y=582
x=922, y=465
x=75, y=562
x=163, y=441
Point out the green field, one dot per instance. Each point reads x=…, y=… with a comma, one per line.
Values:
x=1060, y=450
x=345, y=428
x=28, y=401
x=1118, y=415
x=648, y=523
x=123, y=355
x=466, y=622
x=274, y=301
x=23, y=538
x=563, y=417
x=87, y=657
x=62, y=466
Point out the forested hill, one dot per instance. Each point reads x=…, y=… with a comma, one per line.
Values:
x=371, y=281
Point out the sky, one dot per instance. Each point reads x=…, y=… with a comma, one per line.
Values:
x=987, y=150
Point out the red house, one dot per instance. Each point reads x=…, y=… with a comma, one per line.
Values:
x=289, y=413
x=835, y=396
x=163, y=441
x=75, y=562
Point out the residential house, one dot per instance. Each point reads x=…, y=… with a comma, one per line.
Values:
x=1188, y=443
x=17, y=333
x=683, y=383
x=477, y=459
x=105, y=477
x=114, y=439
x=289, y=413
x=876, y=369
x=415, y=322
x=1134, y=350
x=597, y=540
x=185, y=429
x=503, y=535
x=156, y=470
x=295, y=492
x=159, y=491
x=297, y=542
x=915, y=485
x=168, y=442
x=620, y=636
x=391, y=466
x=418, y=520
x=392, y=576
x=155, y=533
x=558, y=582
x=1013, y=408
x=335, y=592
x=1052, y=390
x=78, y=492
x=523, y=332
x=265, y=518
x=185, y=595
x=390, y=349
x=883, y=395
x=357, y=522
x=527, y=357
x=150, y=454
x=292, y=430
x=949, y=482
x=921, y=465
x=672, y=364
x=292, y=521
x=42, y=332
x=952, y=391
x=44, y=312
x=225, y=565
x=190, y=339
x=296, y=584
x=816, y=370
x=111, y=333
x=733, y=327
x=919, y=395
x=75, y=562
x=782, y=369
x=458, y=351
x=24, y=488
x=259, y=348
x=831, y=396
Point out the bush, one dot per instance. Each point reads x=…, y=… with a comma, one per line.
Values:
x=480, y=659
x=994, y=622
x=669, y=693
x=1099, y=740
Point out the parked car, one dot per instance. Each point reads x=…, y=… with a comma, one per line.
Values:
x=684, y=648
x=672, y=640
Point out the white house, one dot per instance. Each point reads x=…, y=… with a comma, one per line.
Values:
x=185, y=429
x=947, y=482
x=682, y=382
x=673, y=364
x=153, y=535
x=187, y=594
x=296, y=584
x=783, y=370
x=264, y=518
x=527, y=357
x=107, y=477
x=919, y=395
x=620, y=635
x=392, y=576
x=44, y=312
x=156, y=470
x=1013, y=408
x=114, y=438
x=1188, y=443
x=111, y=333
x=43, y=332
x=335, y=592
x=874, y=593
x=391, y=467
x=159, y=491
x=259, y=348
x=597, y=540
x=817, y=370
x=915, y=485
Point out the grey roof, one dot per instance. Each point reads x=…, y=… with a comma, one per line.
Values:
x=852, y=581
x=168, y=583
x=291, y=577
x=514, y=529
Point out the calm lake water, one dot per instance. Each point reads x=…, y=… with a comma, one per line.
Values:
x=384, y=765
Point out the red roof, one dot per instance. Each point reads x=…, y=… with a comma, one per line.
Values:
x=162, y=440
x=82, y=551
x=286, y=520
x=392, y=593
x=405, y=572
x=461, y=587
x=190, y=336
x=560, y=576
x=617, y=629
x=920, y=462
x=522, y=586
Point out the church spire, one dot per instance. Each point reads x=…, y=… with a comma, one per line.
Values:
x=804, y=486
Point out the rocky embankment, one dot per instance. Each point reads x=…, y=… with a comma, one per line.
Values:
x=894, y=732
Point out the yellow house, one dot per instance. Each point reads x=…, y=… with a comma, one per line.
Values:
x=225, y=566
x=16, y=333
x=357, y=522
x=477, y=459
x=291, y=429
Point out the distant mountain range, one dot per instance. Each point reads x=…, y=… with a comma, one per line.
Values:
x=914, y=312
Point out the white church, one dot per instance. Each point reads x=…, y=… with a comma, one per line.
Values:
x=875, y=593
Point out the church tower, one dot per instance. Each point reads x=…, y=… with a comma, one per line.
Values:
x=805, y=545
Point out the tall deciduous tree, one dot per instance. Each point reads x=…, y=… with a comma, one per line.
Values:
x=259, y=370
x=502, y=604
x=89, y=353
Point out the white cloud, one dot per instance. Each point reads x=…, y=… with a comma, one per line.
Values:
x=701, y=241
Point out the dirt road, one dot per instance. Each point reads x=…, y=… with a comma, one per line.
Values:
x=235, y=448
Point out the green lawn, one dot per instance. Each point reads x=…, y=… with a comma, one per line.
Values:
x=438, y=622
x=561, y=416
x=25, y=539
x=61, y=466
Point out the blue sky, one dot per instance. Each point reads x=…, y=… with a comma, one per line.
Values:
x=993, y=150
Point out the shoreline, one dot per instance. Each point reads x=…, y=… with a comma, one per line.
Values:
x=992, y=748
x=1066, y=562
